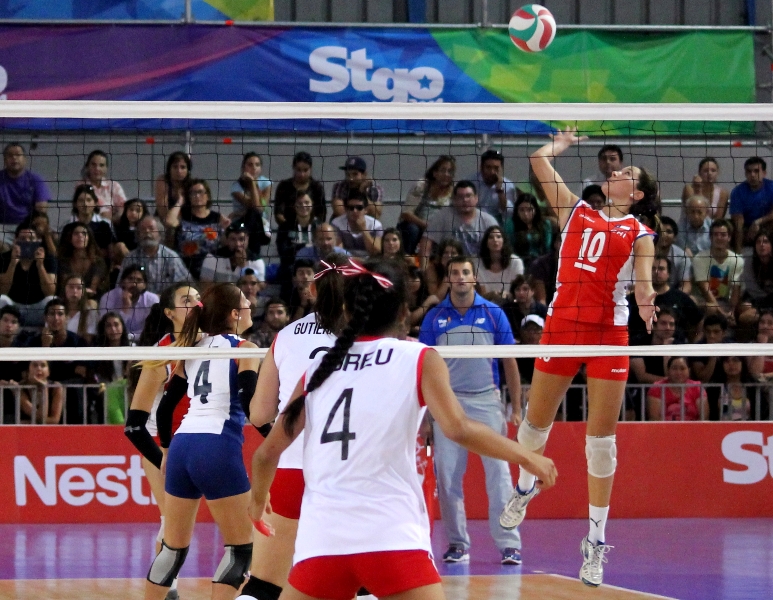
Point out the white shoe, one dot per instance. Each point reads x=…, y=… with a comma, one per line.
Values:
x=593, y=559
x=515, y=510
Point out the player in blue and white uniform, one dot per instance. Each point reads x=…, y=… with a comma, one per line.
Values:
x=205, y=456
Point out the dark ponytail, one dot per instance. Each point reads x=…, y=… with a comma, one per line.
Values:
x=647, y=210
x=329, y=305
x=373, y=310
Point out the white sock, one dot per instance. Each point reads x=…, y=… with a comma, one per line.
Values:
x=526, y=481
x=597, y=518
x=174, y=584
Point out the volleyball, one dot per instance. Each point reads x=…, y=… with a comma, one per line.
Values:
x=532, y=28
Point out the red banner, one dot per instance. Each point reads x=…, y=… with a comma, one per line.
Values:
x=91, y=474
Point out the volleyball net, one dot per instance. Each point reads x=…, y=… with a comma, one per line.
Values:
x=394, y=160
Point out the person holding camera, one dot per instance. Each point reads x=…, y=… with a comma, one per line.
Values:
x=27, y=275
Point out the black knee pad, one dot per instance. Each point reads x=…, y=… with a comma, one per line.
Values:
x=234, y=566
x=167, y=565
x=262, y=590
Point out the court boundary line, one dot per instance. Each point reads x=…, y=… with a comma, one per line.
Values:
x=615, y=587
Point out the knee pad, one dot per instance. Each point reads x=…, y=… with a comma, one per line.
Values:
x=167, y=565
x=261, y=590
x=234, y=566
x=601, y=453
x=160, y=534
x=531, y=437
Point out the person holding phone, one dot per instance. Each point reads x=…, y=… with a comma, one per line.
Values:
x=27, y=275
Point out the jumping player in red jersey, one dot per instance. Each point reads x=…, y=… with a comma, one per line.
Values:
x=363, y=518
x=602, y=252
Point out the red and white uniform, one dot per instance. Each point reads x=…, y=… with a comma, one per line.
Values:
x=151, y=425
x=595, y=267
x=295, y=348
x=362, y=493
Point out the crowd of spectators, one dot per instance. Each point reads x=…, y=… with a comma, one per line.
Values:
x=96, y=279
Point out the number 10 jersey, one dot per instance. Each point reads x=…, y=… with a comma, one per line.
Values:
x=363, y=493
x=595, y=267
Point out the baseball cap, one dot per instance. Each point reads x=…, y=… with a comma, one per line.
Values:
x=355, y=162
x=536, y=319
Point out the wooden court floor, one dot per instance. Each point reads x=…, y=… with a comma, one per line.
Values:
x=474, y=587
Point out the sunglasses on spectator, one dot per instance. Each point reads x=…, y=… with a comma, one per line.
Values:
x=355, y=207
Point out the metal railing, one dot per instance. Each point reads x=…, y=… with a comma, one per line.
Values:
x=87, y=400
x=634, y=405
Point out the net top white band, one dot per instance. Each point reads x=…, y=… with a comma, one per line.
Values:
x=517, y=351
x=115, y=109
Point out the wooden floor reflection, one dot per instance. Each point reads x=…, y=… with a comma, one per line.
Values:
x=475, y=587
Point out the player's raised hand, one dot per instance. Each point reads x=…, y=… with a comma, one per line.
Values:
x=563, y=139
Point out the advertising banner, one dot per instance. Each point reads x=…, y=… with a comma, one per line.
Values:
x=211, y=63
x=91, y=474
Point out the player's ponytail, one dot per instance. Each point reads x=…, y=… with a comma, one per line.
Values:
x=329, y=305
x=211, y=314
x=374, y=310
x=647, y=209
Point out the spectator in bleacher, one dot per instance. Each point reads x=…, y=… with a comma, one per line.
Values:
x=56, y=335
x=171, y=185
x=326, y=241
x=111, y=333
x=21, y=190
x=665, y=397
x=277, y=316
x=419, y=299
x=86, y=211
x=593, y=194
x=496, y=193
x=530, y=235
x=686, y=313
x=48, y=237
x=521, y=303
x=251, y=285
x=705, y=184
x=706, y=368
x=10, y=325
x=80, y=310
x=424, y=199
x=302, y=295
x=740, y=393
x=751, y=203
x=462, y=221
x=301, y=181
x=110, y=194
x=27, y=276
x=163, y=266
x=252, y=191
x=79, y=255
x=437, y=269
x=757, y=280
x=496, y=265
x=360, y=233
x=230, y=260
x=130, y=299
x=357, y=181
x=46, y=401
x=197, y=227
x=717, y=272
x=610, y=159
x=542, y=274
x=392, y=247
x=681, y=271
x=126, y=228
x=693, y=232
x=530, y=328
x=293, y=235
x=648, y=369
x=759, y=366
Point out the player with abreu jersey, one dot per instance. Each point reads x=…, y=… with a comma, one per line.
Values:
x=165, y=320
x=363, y=517
x=205, y=456
x=602, y=253
x=294, y=349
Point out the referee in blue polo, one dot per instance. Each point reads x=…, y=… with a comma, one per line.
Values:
x=465, y=318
